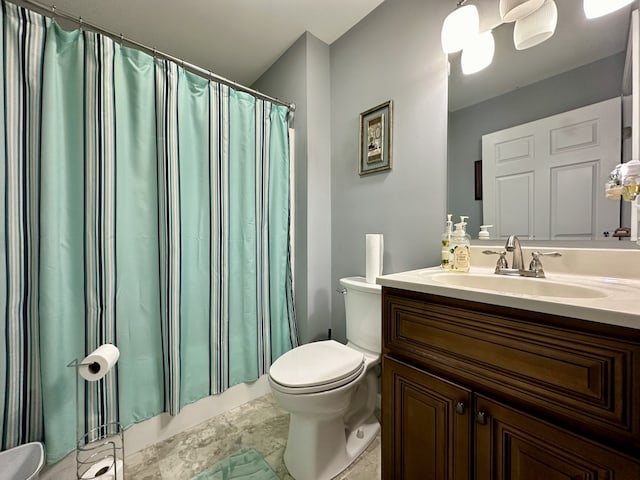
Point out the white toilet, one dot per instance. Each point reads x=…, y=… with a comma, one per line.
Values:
x=331, y=389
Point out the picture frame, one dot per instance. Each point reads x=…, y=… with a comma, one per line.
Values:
x=477, y=165
x=376, y=139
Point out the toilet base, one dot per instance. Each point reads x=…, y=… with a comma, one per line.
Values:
x=334, y=456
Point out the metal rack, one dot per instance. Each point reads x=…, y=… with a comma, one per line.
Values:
x=99, y=451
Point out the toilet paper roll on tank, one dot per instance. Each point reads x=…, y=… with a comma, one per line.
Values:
x=99, y=362
x=374, y=251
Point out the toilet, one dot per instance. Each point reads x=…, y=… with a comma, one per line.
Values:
x=330, y=390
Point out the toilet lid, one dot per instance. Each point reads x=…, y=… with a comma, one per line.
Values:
x=316, y=363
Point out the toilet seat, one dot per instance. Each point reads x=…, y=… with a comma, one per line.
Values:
x=316, y=367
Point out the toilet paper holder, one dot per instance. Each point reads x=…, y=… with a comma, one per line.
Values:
x=100, y=450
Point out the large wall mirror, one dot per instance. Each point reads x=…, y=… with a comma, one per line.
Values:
x=582, y=64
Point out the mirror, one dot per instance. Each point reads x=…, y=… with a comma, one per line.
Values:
x=581, y=64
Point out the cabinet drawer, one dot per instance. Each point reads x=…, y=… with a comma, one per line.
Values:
x=584, y=378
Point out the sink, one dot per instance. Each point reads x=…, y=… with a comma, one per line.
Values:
x=516, y=284
x=604, y=290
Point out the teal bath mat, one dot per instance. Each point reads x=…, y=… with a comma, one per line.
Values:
x=245, y=464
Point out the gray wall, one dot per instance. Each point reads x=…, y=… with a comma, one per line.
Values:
x=301, y=76
x=582, y=86
x=320, y=249
x=394, y=53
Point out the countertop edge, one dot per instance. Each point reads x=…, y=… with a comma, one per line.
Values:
x=560, y=306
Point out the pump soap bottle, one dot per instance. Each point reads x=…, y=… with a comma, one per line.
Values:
x=460, y=243
x=446, y=241
x=484, y=232
x=463, y=221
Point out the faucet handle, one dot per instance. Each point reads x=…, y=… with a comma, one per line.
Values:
x=536, y=254
x=502, y=263
x=536, y=265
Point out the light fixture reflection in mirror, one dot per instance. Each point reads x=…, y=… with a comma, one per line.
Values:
x=478, y=54
x=512, y=10
x=535, y=22
x=459, y=28
x=537, y=27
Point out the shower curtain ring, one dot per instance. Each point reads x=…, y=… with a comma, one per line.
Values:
x=53, y=12
x=80, y=23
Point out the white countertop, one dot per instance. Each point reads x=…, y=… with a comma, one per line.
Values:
x=618, y=305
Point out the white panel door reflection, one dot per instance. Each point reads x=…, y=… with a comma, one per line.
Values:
x=544, y=180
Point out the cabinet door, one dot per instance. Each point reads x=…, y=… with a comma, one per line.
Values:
x=425, y=425
x=511, y=445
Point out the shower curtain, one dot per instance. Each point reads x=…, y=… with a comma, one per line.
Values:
x=144, y=206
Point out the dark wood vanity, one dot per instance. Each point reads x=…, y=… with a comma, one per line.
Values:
x=478, y=391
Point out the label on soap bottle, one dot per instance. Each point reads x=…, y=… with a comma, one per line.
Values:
x=461, y=259
x=444, y=258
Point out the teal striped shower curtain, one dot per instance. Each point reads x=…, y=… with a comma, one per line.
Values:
x=144, y=206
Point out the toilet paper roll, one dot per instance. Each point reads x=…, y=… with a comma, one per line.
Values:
x=105, y=469
x=98, y=363
x=374, y=253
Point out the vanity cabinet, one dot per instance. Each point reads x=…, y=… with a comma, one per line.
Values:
x=478, y=391
x=431, y=425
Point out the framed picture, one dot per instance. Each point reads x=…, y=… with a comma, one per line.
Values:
x=376, y=131
x=477, y=165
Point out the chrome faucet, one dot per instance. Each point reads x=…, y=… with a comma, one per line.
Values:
x=517, y=264
x=513, y=245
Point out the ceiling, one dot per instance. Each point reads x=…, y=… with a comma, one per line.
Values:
x=237, y=39
x=241, y=39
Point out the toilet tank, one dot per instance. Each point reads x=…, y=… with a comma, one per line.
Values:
x=363, y=313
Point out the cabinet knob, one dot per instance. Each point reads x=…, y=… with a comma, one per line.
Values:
x=460, y=408
x=481, y=418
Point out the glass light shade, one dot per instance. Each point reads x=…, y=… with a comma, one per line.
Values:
x=598, y=8
x=478, y=54
x=537, y=27
x=459, y=27
x=512, y=10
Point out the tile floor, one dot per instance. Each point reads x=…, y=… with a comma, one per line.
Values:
x=260, y=424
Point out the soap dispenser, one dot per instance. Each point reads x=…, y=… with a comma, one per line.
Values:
x=484, y=233
x=460, y=244
x=446, y=241
x=463, y=221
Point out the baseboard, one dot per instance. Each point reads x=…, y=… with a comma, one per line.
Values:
x=164, y=426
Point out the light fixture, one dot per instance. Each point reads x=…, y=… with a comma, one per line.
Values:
x=598, y=8
x=459, y=27
x=478, y=54
x=512, y=10
x=537, y=27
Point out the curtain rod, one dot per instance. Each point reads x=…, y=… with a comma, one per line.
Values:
x=53, y=12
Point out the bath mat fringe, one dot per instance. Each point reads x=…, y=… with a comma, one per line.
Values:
x=245, y=464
